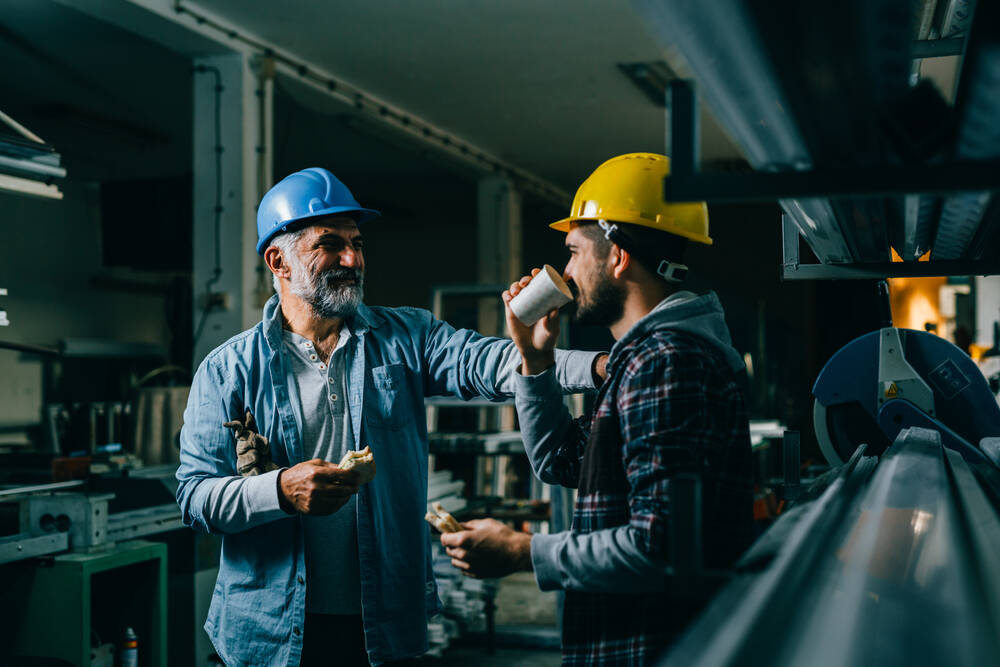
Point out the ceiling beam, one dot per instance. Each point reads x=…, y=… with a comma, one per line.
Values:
x=374, y=110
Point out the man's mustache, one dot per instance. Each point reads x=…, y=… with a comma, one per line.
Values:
x=340, y=275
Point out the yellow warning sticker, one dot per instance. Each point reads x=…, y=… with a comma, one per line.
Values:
x=892, y=391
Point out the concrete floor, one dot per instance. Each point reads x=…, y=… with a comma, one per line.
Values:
x=462, y=656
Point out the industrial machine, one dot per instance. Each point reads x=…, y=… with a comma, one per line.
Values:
x=891, y=379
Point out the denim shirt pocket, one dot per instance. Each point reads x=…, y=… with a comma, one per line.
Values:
x=387, y=404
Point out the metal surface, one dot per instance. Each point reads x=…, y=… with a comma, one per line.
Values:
x=916, y=235
x=83, y=516
x=139, y=523
x=864, y=568
x=879, y=270
x=19, y=491
x=896, y=377
x=979, y=139
x=731, y=629
x=19, y=547
x=737, y=81
x=937, y=48
x=847, y=410
x=861, y=182
x=920, y=214
x=831, y=85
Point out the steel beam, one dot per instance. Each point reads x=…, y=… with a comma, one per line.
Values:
x=19, y=547
x=880, y=270
x=966, y=176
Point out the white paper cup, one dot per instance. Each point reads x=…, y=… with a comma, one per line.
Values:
x=547, y=290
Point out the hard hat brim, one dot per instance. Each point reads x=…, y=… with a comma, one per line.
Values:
x=363, y=215
x=566, y=224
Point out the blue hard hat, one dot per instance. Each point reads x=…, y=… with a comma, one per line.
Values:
x=301, y=197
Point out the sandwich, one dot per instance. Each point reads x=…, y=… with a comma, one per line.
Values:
x=363, y=462
x=441, y=520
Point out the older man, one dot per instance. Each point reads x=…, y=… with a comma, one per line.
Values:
x=674, y=403
x=317, y=569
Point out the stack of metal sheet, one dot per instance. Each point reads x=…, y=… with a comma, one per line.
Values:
x=27, y=164
x=893, y=564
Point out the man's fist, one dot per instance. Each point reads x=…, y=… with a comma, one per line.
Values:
x=487, y=549
x=317, y=487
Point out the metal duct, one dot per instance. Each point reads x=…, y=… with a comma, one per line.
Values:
x=739, y=85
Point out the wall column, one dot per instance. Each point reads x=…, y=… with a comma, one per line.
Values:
x=231, y=170
x=498, y=245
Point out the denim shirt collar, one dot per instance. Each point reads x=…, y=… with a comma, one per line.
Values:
x=364, y=319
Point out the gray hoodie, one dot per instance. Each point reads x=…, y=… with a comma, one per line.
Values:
x=609, y=560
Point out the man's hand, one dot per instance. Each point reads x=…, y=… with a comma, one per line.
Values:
x=537, y=342
x=317, y=487
x=488, y=549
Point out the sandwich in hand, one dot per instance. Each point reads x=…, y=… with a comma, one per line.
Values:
x=363, y=462
x=440, y=519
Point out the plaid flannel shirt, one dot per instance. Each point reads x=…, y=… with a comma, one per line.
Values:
x=670, y=405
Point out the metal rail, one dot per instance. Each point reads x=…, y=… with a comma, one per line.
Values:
x=864, y=567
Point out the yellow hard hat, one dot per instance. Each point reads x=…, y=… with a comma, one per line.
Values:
x=629, y=189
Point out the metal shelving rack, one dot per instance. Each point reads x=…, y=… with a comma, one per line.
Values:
x=824, y=102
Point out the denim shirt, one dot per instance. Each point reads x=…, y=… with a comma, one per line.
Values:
x=396, y=358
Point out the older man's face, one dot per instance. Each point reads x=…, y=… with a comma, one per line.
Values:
x=328, y=269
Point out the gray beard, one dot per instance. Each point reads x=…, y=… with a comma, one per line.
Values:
x=325, y=296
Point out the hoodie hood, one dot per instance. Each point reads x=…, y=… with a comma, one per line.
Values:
x=685, y=311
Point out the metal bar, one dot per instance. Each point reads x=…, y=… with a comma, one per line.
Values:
x=885, y=304
x=963, y=176
x=25, y=347
x=682, y=140
x=936, y=48
x=983, y=530
x=20, y=129
x=789, y=244
x=6, y=494
x=29, y=167
x=19, y=547
x=739, y=613
x=881, y=270
x=148, y=521
x=790, y=464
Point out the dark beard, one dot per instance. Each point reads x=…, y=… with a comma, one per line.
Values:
x=330, y=300
x=604, y=307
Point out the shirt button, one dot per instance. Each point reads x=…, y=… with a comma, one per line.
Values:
x=296, y=631
x=322, y=367
x=300, y=579
x=333, y=397
x=308, y=344
x=330, y=380
x=313, y=357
